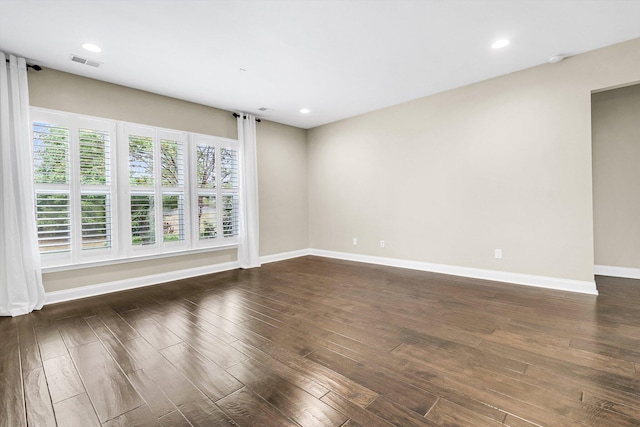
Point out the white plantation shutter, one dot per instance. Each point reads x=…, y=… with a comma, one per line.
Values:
x=74, y=216
x=95, y=180
x=175, y=190
x=229, y=178
x=95, y=159
x=50, y=153
x=142, y=182
x=53, y=216
x=207, y=186
x=96, y=221
x=51, y=165
x=216, y=183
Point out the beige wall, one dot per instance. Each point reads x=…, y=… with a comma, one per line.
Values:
x=284, y=214
x=505, y=163
x=616, y=176
x=68, y=92
x=282, y=187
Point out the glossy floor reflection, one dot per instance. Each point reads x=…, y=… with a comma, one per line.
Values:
x=319, y=342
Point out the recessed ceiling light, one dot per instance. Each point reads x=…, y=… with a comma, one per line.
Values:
x=91, y=47
x=305, y=111
x=500, y=43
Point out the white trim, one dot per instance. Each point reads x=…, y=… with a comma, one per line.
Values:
x=284, y=256
x=610, y=270
x=585, y=287
x=135, y=282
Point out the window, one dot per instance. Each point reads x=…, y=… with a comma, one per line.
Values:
x=176, y=191
x=217, y=188
x=73, y=215
x=157, y=190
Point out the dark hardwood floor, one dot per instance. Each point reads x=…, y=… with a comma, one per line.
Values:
x=319, y=342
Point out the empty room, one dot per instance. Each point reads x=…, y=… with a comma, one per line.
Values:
x=319, y=213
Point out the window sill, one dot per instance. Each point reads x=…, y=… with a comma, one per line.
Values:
x=137, y=258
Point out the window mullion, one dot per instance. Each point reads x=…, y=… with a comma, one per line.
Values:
x=157, y=190
x=219, y=210
x=74, y=192
x=186, y=179
x=124, y=191
x=191, y=198
x=114, y=182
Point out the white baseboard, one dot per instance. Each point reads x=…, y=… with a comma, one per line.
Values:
x=136, y=282
x=284, y=255
x=585, y=287
x=626, y=272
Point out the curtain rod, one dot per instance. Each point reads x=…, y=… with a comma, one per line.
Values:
x=236, y=115
x=35, y=67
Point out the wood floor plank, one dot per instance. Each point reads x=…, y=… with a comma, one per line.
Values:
x=292, y=401
x=218, y=351
x=204, y=413
x=317, y=341
x=110, y=391
x=398, y=415
x=63, y=379
x=210, y=379
x=29, y=350
x=405, y=394
x=50, y=341
x=143, y=352
x=75, y=331
x=76, y=412
x=199, y=318
x=604, y=349
x=353, y=411
x=174, y=419
x=38, y=400
x=12, y=401
x=579, y=357
x=175, y=386
x=117, y=325
x=291, y=375
x=115, y=348
x=512, y=421
x=334, y=381
x=157, y=401
x=247, y=409
x=156, y=334
x=139, y=417
x=448, y=413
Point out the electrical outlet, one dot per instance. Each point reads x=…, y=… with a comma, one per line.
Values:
x=498, y=253
x=355, y=241
x=382, y=243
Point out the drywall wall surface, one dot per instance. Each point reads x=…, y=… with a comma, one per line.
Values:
x=81, y=95
x=64, y=280
x=282, y=188
x=449, y=178
x=616, y=176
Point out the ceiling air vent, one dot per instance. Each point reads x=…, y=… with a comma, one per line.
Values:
x=85, y=61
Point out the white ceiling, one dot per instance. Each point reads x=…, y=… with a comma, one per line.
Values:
x=337, y=58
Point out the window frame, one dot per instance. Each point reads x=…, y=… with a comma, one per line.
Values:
x=219, y=143
x=75, y=189
x=120, y=190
